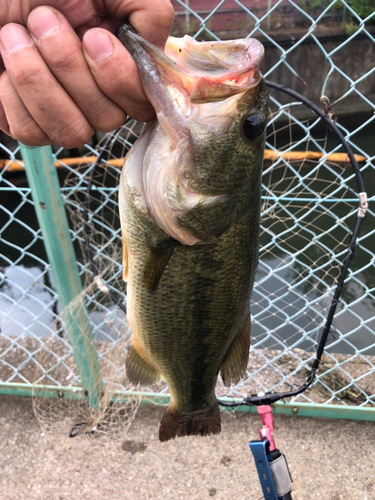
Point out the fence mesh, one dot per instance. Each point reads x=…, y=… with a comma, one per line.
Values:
x=309, y=206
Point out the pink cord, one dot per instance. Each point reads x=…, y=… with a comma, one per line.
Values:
x=265, y=413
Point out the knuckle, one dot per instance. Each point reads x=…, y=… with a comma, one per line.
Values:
x=4, y=80
x=168, y=13
x=109, y=126
x=143, y=114
x=108, y=119
x=4, y=127
x=110, y=87
x=64, y=61
x=4, y=87
x=74, y=136
x=27, y=75
x=29, y=135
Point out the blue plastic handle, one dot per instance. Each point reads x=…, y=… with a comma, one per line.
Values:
x=262, y=456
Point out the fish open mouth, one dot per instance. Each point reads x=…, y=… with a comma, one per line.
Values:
x=191, y=72
x=213, y=71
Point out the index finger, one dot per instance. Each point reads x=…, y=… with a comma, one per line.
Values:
x=153, y=19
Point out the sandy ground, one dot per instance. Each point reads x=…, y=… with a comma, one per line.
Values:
x=328, y=459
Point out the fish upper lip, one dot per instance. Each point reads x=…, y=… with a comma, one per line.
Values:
x=187, y=71
x=125, y=33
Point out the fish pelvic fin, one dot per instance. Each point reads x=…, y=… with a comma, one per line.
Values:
x=235, y=362
x=138, y=368
x=204, y=423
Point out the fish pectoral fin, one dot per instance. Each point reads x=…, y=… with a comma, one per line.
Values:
x=139, y=370
x=211, y=218
x=235, y=362
x=192, y=223
x=125, y=259
x=156, y=261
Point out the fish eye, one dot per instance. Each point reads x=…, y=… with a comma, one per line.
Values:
x=253, y=126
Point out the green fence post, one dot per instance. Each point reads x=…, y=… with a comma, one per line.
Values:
x=45, y=189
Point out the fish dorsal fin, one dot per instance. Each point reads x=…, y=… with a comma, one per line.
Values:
x=156, y=261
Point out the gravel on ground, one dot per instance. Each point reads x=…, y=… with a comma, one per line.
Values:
x=328, y=459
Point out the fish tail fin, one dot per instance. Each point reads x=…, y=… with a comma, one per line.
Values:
x=204, y=423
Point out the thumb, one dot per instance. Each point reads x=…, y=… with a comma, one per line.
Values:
x=115, y=73
x=153, y=19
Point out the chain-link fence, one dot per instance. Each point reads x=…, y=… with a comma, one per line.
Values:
x=276, y=20
x=309, y=205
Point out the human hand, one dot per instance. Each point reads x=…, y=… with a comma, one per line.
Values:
x=64, y=73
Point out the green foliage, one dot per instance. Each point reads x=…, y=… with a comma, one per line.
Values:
x=309, y=5
x=350, y=27
x=363, y=8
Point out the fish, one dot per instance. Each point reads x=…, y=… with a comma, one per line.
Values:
x=189, y=204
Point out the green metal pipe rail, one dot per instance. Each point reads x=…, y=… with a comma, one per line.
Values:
x=45, y=190
x=151, y=398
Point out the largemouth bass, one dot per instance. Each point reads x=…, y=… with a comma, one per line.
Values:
x=190, y=210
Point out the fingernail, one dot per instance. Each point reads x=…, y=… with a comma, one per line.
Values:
x=42, y=22
x=97, y=45
x=14, y=37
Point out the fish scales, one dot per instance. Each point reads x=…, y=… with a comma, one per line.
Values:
x=190, y=215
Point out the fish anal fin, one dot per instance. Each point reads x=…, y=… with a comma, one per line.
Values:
x=156, y=261
x=125, y=259
x=174, y=424
x=235, y=362
x=138, y=369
